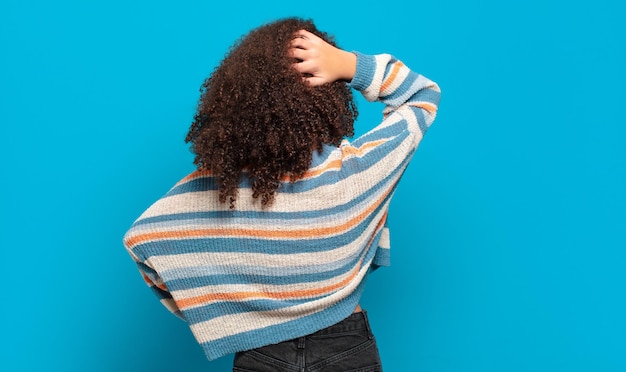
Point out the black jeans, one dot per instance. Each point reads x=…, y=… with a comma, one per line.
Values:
x=348, y=346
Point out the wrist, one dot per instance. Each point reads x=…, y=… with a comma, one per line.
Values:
x=365, y=70
x=347, y=65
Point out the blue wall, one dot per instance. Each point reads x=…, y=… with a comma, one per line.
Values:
x=507, y=230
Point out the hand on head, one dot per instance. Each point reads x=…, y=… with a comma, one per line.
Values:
x=321, y=62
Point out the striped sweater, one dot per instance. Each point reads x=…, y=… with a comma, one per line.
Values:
x=250, y=277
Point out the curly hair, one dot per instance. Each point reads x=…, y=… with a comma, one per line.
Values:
x=257, y=115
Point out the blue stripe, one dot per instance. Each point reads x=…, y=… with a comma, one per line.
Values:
x=251, y=245
x=268, y=246
x=394, y=134
x=145, y=269
x=202, y=313
x=403, y=92
x=382, y=257
x=421, y=120
x=284, y=331
x=214, y=270
x=282, y=216
x=199, y=314
x=388, y=68
x=260, y=245
x=258, y=275
x=178, y=284
x=427, y=95
x=161, y=294
x=317, y=159
x=399, y=130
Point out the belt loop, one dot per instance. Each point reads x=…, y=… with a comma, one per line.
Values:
x=301, y=354
x=367, y=324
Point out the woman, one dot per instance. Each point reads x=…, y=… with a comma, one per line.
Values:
x=264, y=250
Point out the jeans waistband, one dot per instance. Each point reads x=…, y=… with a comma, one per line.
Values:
x=354, y=322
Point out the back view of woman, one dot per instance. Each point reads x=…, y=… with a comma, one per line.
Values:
x=265, y=249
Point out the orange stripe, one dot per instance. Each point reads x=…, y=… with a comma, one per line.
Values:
x=147, y=279
x=361, y=150
x=380, y=223
x=431, y=108
x=194, y=175
x=378, y=226
x=187, y=302
x=392, y=76
x=212, y=297
x=151, y=283
x=336, y=164
x=293, y=234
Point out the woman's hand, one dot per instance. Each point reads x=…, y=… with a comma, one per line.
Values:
x=321, y=62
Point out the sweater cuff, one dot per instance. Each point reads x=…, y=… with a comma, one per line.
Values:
x=365, y=68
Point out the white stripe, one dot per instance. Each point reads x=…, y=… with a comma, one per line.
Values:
x=177, y=261
x=232, y=324
x=319, y=198
x=260, y=289
x=272, y=225
x=170, y=305
x=384, y=239
x=402, y=100
x=372, y=92
x=403, y=72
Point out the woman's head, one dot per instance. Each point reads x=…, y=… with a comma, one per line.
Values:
x=257, y=114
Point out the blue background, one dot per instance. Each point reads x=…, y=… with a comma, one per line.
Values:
x=507, y=230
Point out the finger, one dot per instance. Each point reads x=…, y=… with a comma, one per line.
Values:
x=314, y=81
x=298, y=67
x=302, y=34
x=300, y=54
x=309, y=36
x=300, y=43
x=305, y=67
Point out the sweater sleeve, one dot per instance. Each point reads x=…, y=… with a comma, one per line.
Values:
x=156, y=284
x=384, y=78
x=376, y=160
x=411, y=102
